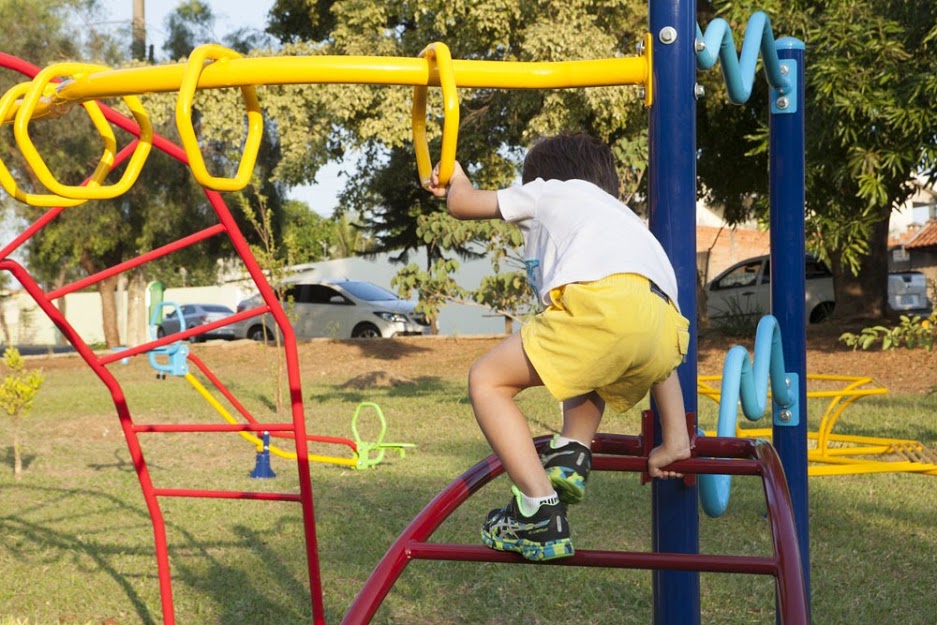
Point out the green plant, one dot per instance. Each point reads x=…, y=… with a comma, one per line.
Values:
x=911, y=332
x=17, y=392
x=737, y=319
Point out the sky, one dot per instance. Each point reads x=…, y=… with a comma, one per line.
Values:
x=229, y=16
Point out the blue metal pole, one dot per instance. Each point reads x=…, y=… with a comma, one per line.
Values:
x=786, y=172
x=672, y=212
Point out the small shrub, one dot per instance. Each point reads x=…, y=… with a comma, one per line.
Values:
x=912, y=333
x=738, y=319
x=17, y=392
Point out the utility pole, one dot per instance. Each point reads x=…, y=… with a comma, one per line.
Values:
x=138, y=47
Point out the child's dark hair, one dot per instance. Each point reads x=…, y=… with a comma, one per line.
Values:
x=572, y=156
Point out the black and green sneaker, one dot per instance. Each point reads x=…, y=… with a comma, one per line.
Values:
x=543, y=536
x=568, y=469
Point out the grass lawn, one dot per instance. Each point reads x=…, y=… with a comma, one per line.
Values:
x=76, y=541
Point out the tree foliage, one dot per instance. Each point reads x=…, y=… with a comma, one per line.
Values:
x=375, y=122
x=871, y=93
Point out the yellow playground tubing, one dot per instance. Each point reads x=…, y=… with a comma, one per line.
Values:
x=6, y=178
x=257, y=441
x=844, y=454
x=41, y=87
x=365, y=454
x=450, y=130
x=255, y=124
x=228, y=69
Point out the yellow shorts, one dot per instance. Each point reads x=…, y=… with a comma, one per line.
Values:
x=614, y=336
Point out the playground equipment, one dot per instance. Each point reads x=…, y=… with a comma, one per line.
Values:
x=666, y=70
x=746, y=382
x=832, y=453
x=174, y=358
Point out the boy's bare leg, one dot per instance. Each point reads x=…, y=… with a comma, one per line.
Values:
x=582, y=416
x=675, y=441
x=494, y=380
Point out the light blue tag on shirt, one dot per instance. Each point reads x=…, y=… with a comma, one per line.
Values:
x=532, y=275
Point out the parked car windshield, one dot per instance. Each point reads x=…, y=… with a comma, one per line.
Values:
x=368, y=291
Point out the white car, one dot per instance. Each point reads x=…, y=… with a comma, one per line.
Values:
x=907, y=293
x=336, y=309
x=192, y=315
x=744, y=289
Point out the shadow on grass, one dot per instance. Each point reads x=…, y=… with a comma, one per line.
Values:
x=380, y=349
x=48, y=536
x=8, y=458
x=77, y=529
x=424, y=386
x=121, y=463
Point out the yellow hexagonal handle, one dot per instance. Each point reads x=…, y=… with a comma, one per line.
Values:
x=193, y=151
x=6, y=178
x=439, y=53
x=93, y=189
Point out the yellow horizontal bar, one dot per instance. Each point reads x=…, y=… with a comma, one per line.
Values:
x=870, y=467
x=379, y=70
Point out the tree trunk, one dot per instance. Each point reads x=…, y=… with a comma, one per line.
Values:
x=60, y=303
x=107, y=288
x=863, y=296
x=17, y=458
x=137, y=321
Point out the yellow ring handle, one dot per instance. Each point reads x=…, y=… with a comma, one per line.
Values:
x=255, y=123
x=93, y=189
x=439, y=53
x=6, y=179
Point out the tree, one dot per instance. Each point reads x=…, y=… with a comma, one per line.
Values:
x=375, y=121
x=871, y=96
x=191, y=24
x=506, y=292
x=48, y=33
x=17, y=392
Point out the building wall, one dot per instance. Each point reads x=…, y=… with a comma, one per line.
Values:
x=718, y=248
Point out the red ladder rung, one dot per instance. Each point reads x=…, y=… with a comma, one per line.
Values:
x=147, y=428
x=225, y=494
x=600, y=558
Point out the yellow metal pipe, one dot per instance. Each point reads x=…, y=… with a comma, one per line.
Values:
x=869, y=467
x=378, y=70
x=258, y=442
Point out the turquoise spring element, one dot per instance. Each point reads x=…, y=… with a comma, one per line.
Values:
x=177, y=353
x=746, y=381
x=739, y=72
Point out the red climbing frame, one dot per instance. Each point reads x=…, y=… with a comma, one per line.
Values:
x=98, y=363
x=613, y=452
x=730, y=456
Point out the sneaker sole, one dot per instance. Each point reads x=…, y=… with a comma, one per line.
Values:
x=569, y=485
x=536, y=552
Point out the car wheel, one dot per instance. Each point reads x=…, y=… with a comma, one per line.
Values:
x=365, y=331
x=822, y=312
x=259, y=333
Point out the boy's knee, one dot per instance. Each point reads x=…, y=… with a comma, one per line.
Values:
x=477, y=380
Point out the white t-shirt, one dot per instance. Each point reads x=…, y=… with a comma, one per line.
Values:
x=576, y=232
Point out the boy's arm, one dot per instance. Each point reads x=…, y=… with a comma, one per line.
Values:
x=463, y=201
x=669, y=399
